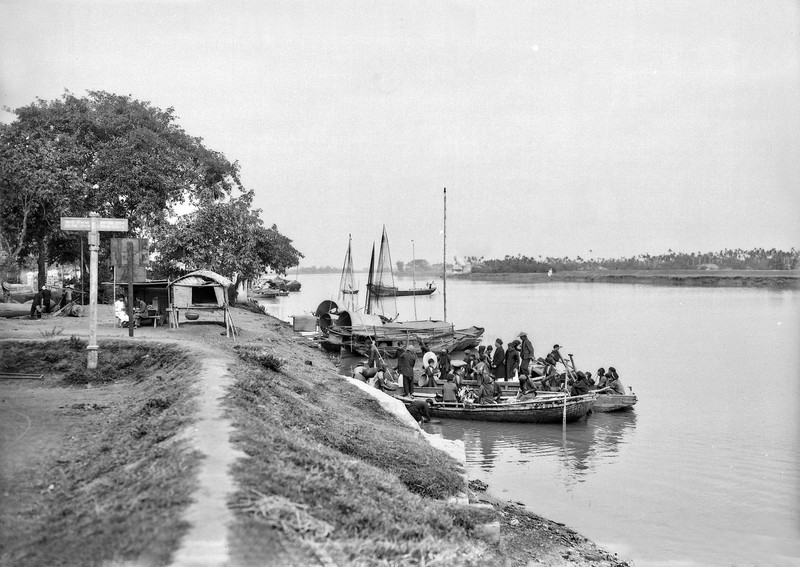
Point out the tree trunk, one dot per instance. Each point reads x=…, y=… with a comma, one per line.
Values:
x=42, y=263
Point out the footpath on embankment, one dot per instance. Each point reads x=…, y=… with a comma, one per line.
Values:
x=299, y=466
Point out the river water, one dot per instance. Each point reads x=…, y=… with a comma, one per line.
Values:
x=705, y=470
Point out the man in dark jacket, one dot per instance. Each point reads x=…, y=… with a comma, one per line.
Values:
x=499, y=361
x=405, y=367
x=527, y=354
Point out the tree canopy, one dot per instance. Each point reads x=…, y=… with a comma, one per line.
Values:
x=116, y=156
x=226, y=237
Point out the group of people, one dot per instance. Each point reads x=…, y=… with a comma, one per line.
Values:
x=121, y=310
x=488, y=365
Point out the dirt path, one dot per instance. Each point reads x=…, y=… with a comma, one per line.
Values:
x=207, y=541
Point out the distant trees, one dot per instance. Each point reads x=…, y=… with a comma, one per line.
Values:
x=755, y=259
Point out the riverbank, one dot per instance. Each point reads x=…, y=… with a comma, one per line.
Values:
x=322, y=473
x=778, y=279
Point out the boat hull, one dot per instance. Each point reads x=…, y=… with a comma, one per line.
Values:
x=550, y=410
x=379, y=292
x=614, y=402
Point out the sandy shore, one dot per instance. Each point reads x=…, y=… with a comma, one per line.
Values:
x=778, y=279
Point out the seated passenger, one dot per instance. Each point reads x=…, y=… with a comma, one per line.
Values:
x=489, y=392
x=450, y=391
x=383, y=380
x=602, y=379
x=429, y=372
x=614, y=383
x=581, y=386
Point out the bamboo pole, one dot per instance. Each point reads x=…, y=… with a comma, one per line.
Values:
x=444, y=258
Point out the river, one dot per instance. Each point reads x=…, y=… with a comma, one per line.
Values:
x=705, y=470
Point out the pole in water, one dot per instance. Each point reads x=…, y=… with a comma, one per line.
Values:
x=444, y=259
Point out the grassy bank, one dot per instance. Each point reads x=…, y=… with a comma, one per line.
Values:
x=779, y=279
x=331, y=476
x=111, y=479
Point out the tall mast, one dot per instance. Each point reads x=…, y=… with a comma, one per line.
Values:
x=444, y=260
x=368, y=303
x=414, y=277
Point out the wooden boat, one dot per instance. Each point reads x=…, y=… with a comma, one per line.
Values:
x=614, y=402
x=13, y=309
x=267, y=292
x=391, y=291
x=542, y=409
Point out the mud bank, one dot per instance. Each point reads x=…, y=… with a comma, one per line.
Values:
x=687, y=278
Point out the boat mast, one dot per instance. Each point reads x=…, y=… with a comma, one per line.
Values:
x=444, y=259
x=368, y=303
x=414, y=277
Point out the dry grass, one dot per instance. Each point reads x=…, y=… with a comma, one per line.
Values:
x=120, y=478
x=341, y=479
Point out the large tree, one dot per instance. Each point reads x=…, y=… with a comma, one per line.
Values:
x=227, y=237
x=105, y=153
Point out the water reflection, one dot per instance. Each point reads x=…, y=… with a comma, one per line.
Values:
x=587, y=444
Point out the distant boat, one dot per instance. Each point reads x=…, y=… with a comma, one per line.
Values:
x=350, y=328
x=388, y=291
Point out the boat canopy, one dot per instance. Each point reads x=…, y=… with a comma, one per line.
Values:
x=357, y=320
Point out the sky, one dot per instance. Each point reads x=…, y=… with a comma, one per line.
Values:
x=559, y=128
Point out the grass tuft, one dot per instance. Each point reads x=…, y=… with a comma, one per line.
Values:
x=260, y=356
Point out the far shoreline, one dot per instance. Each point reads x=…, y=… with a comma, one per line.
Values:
x=777, y=279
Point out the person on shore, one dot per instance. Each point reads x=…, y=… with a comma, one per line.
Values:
x=526, y=355
x=139, y=311
x=46, y=297
x=405, y=367
x=512, y=360
x=489, y=350
x=37, y=305
x=499, y=361
x=419, y=410
x=450, y=391
x=121, y=310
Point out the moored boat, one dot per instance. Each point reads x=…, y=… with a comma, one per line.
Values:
x=391, y=291
x=544, y=409
x=614, y=402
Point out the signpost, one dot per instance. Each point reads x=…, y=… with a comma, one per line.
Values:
x=130, y=256
x=94, y=224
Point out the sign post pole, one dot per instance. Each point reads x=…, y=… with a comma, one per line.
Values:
x=130, y=289
x=94, y=224
x=94, y=247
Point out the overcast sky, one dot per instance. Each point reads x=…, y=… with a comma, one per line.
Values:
x=558, y=128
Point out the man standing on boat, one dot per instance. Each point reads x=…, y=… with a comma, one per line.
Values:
x=405, y=367
x=499, y=361
x=527, y=354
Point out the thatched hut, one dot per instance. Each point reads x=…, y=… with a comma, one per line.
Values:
x=201, y=290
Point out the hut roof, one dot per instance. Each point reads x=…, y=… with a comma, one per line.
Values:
x=202, y=277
